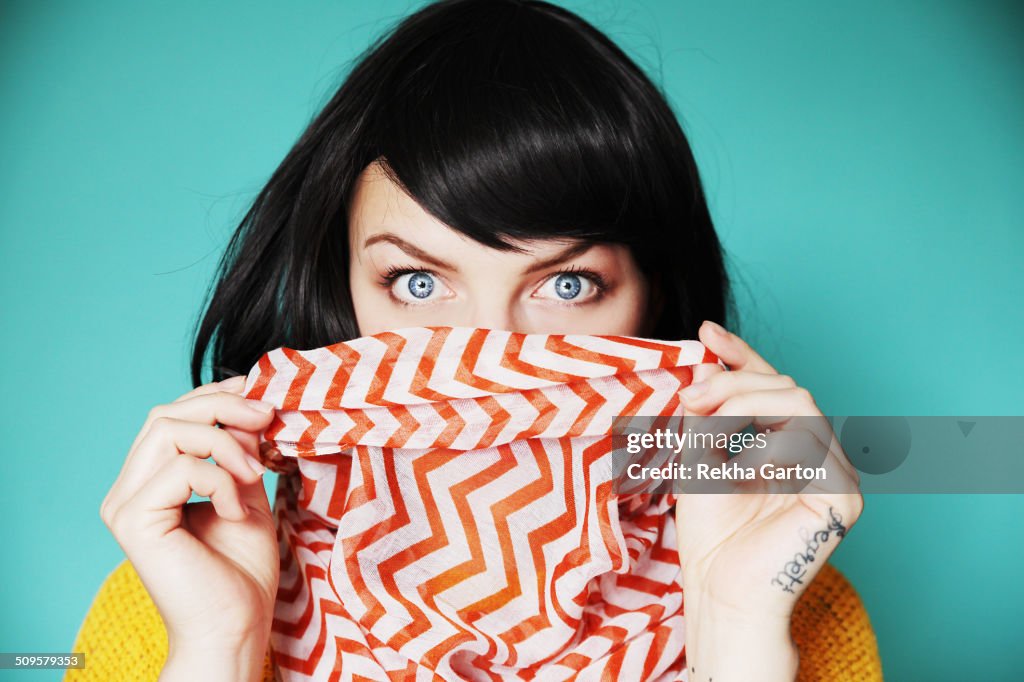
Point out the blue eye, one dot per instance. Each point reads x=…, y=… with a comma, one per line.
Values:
x=413, y=286
x=420, y=284
x=568, y=286
x=576, y=286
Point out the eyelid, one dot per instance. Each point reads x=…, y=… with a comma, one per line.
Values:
x=599, y=283
x=393, y=272
x=595, y=277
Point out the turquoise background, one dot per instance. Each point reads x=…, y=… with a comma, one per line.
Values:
x=864, y=165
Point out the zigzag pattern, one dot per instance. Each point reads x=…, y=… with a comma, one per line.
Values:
x=448, y=511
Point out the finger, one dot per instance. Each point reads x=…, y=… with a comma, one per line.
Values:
x=218, y=407
x=777, y=404
x=166, y=440
x=701, y=433
x=836, y=450
x=732, y=350
x=249, y=440
x=775, y=407
x=156, y=507
x=695, y=413
x=254, y=498
x=784, y=453
x=151, y=526
x=232, y=385
x=705, y=396
x=705, y=371
x=780, y=409
x=211, y=407
x=700, y=373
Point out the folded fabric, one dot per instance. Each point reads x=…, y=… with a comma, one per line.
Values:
x=445, y=509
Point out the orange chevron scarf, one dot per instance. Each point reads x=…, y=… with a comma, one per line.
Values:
x=445, y=507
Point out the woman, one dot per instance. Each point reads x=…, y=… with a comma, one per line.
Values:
x=488, y=163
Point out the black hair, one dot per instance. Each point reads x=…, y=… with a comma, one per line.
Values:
x=501, y=118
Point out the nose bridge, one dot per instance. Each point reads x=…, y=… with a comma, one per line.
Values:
x=492, y=314
x=492, y=294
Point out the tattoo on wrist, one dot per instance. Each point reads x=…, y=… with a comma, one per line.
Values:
x=796, y=569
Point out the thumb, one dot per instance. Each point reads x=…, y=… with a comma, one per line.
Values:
x=705, y=370
x=253, y=496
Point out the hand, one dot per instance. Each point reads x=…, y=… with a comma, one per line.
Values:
x=211, y=568
x=747, y=557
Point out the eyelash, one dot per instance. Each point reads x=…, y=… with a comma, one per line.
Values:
x=595, y=278
x=395, y=271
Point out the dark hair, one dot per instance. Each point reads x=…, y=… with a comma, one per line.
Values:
x=501, y=118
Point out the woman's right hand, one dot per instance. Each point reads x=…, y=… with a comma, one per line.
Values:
x=211, y=568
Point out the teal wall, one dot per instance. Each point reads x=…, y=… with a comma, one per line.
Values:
x=864, y=164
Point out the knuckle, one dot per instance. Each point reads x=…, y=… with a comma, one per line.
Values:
x=227, y=441
x=161, y=425
x=787, y=380
x=222, y=403
x=156, y=412
x=219, y=480
x=736, y=404
x=804, y=395
x=721, y=380
x=223, y=440
x=180, y=465
x=118, y=525
x=850, y=507
x=804, y=440
x=858, y=505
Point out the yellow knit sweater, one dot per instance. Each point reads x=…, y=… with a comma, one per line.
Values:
x=123, y=637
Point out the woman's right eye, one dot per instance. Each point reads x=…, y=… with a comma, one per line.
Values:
x=415, y=287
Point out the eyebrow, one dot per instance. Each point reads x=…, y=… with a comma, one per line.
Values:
x=416, y=252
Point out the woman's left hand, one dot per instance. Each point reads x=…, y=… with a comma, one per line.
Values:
x=751, y=555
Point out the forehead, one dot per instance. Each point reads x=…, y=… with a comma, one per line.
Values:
x=377, y=199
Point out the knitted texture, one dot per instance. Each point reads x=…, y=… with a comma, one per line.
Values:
x=832, y=630
x=124, y=640
x=123, y=636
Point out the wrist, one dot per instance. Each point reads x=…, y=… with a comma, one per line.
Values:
x=729, y=642
x=240, y=660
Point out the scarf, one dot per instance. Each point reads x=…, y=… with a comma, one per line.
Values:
x=445, y=507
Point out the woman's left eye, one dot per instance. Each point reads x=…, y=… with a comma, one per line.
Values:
x=571, y=287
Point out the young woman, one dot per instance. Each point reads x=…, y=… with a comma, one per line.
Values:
x=488, y=163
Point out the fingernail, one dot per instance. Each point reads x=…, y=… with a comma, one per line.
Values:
x=694, y=390
x=716, y=328
x=259, y=405
x=255, y=464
